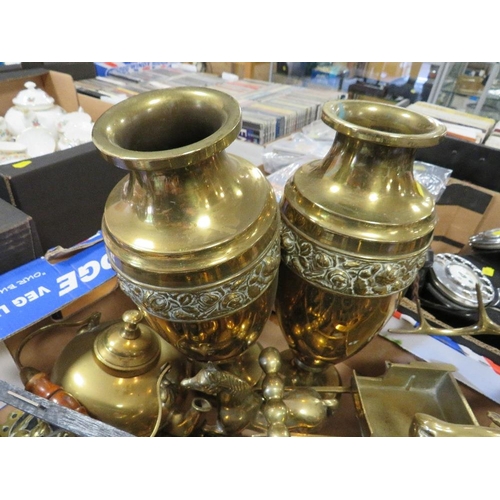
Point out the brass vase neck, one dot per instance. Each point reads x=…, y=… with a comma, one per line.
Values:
x=364, y=165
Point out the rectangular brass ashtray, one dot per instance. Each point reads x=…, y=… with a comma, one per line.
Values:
x=386, y=405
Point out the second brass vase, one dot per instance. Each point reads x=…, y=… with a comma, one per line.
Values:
x=192, y=231
x=356, y=228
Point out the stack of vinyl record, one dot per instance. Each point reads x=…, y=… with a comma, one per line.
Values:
x=269, y=110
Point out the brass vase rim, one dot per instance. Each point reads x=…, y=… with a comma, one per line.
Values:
x=108, y=127
x=400, y=127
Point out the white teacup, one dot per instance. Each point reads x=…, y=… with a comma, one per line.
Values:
x=38, y=140
x=75, y=118
x=74, y=134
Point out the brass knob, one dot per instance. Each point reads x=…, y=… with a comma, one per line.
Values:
x=131, y=329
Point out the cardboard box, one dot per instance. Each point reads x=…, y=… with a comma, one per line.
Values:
x=474, y=163
x=464, y=210
x=471, y=201
x=19, y=241
x=60, y=86
x=63, y=192
x=94, y=107
x=39, y=289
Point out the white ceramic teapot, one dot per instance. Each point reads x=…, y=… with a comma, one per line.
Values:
x=33, y=107
x=4, y=132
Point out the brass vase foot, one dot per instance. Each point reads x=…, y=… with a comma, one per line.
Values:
x=298, y=374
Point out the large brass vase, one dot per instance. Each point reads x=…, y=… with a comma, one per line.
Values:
x=355, y=230
x=192, y=231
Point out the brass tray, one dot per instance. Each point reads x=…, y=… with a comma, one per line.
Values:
x=385, y=406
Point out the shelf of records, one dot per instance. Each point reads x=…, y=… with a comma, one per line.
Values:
x=463, y=125
x=269, y=110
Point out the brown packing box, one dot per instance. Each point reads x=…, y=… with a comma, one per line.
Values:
x=474, y=163
x=63, y=192
x=60, y=86
x=94, y=107
x=463, y=211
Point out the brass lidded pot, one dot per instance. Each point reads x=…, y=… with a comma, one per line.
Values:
x=356, y=227
x=114, y=371
x=192, y=231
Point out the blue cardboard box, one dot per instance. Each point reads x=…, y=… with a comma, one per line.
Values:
x=41, y=288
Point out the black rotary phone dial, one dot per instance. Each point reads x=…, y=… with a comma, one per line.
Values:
x=447, y=283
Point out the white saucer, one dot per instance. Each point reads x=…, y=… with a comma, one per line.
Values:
x=11, y=152
x=11, y=147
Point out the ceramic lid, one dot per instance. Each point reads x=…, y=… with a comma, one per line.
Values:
x=33, y=98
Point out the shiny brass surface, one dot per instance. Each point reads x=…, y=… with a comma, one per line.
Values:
x=237, y=403
x=356, y=226
x=192, y=232
x=246, y=366
x=122, y=393
x=386, y=406
x=286, y=409
x=424, y=425
x=274, y=408
x=128, y=346
x=21, y=424
x=324, y=327
x=383, y=124
x=220, y=339
x=271, y=407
